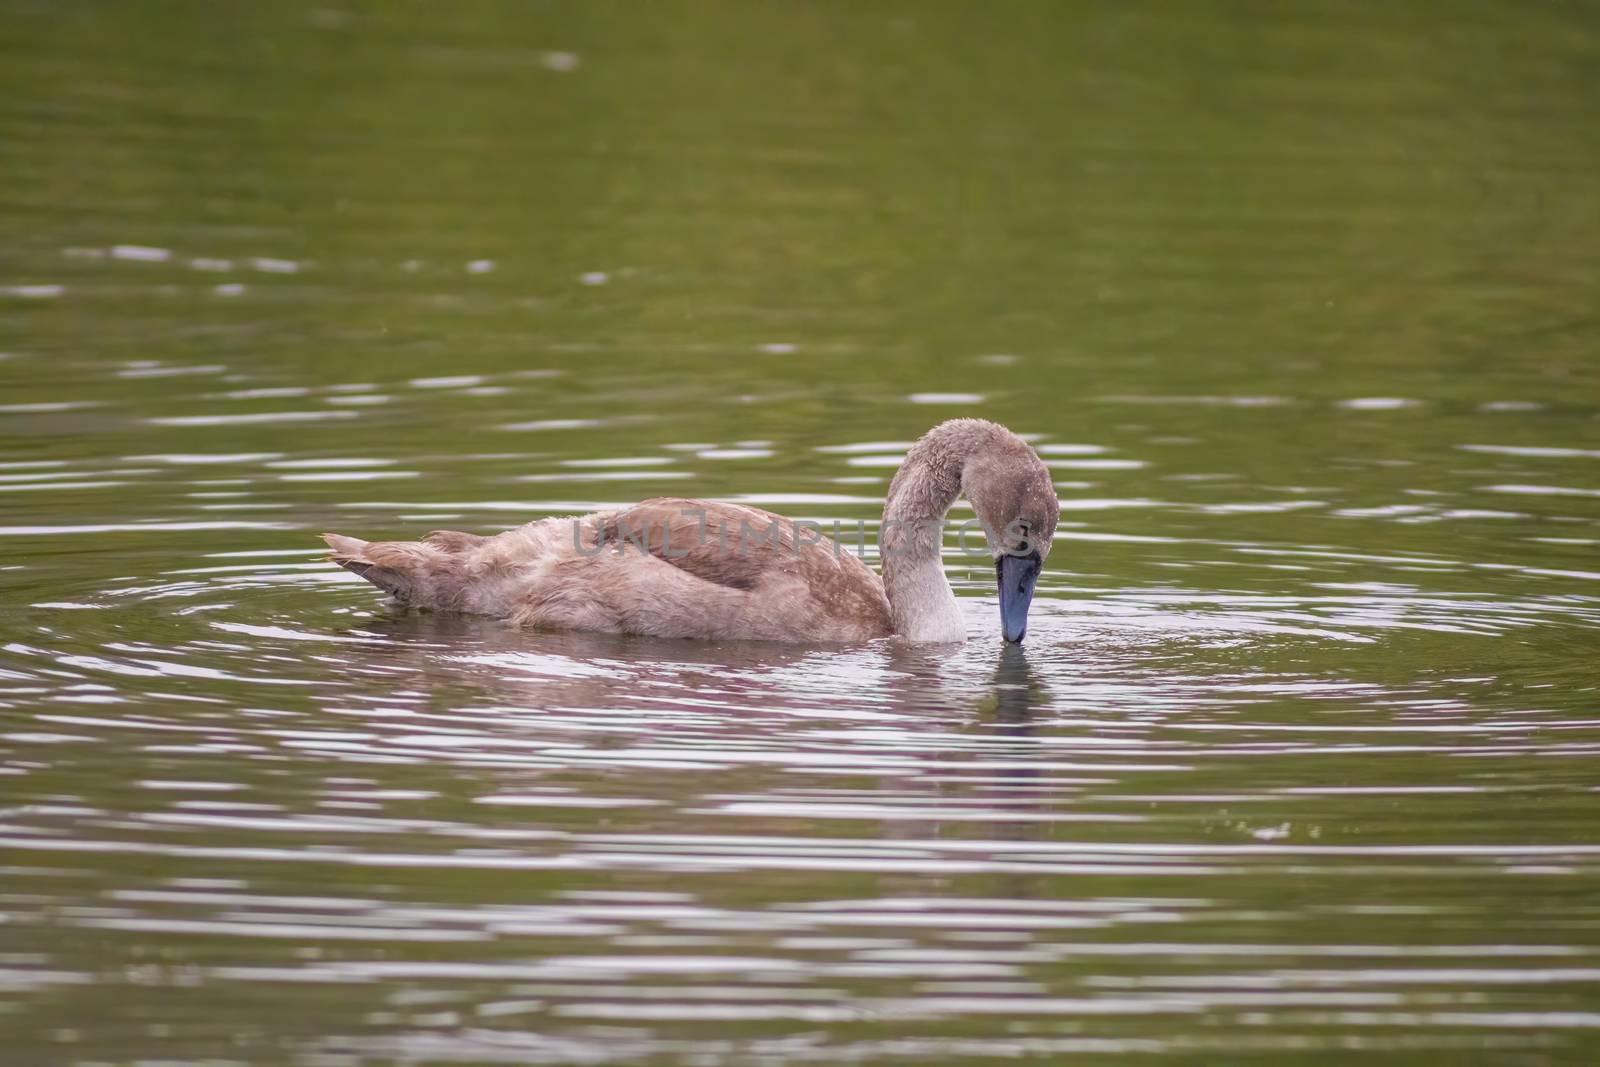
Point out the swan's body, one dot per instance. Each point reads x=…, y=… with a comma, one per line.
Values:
x=699, y=568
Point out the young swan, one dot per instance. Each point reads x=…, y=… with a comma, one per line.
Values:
x=701, y=568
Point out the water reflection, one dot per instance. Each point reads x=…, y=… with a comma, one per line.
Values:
x=1017, y=693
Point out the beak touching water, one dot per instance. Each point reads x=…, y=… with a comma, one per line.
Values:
x=1016, y=576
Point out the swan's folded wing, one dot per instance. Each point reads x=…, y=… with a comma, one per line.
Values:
x=729, y=544
x=746, y=548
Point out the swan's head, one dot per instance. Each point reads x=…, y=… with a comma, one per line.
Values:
x=1010, y=489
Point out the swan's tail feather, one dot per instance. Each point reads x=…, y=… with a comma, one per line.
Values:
x=405, y=570
x=345, y=548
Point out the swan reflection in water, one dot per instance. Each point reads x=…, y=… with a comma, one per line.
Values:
x=719, y=746
x=876, y=705
x=448, y=658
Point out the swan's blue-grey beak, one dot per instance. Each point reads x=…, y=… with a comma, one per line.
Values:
x=1016, y=575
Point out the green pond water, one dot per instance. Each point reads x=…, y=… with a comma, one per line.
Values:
x=1300, y=763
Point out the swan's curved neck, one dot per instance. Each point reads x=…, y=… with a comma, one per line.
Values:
x=920, y=600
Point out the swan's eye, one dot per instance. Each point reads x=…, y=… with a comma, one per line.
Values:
x=1023, y=533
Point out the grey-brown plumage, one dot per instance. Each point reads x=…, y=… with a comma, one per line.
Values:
x=697, y=568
